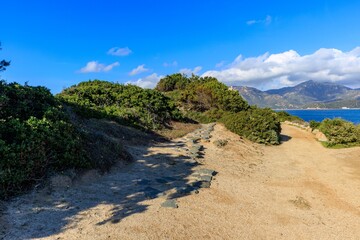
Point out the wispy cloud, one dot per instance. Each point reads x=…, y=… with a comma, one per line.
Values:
x=95, y=66
x=171, y=64
x=116, y=51
x=267, y=21
x=147, y=82
x=290, y=68
x=139, y=69
x=220, y=64
x=189, y=71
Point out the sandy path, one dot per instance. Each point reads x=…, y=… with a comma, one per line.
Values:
x=298, y=190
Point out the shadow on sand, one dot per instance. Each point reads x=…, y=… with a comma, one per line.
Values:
x=151, y=175
x=284, y=138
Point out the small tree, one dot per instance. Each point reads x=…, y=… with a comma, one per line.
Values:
x=3, y=63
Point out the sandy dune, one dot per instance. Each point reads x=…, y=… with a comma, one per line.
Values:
x=298, y=190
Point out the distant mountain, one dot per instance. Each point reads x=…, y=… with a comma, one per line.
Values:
x=303, y=95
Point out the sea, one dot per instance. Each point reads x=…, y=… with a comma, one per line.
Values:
x=352, y=115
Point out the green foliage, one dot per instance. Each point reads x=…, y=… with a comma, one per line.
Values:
x=207, y=93
x=340, y=132
x=201, y=94
x=285, y=116
x=127, y=104
x=205, y=100
x=35, y=137
x=256, y=124
x=3, y=63
x=173, y=82
x=314, y=124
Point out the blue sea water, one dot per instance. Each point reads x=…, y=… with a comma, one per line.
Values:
x=352, y=115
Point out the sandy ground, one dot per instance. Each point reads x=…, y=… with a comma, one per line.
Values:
x=298, y=190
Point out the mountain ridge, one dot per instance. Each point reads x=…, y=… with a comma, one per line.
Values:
x=308, y=94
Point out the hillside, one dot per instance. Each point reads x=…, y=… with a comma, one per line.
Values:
x=306, y=94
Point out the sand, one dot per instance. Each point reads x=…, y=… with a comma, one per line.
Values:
x=298, y=190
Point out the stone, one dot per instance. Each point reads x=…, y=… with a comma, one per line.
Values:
x=205, y=171
x=201, y=184
x=195, y=139
x=320, y=136
x=205, y=178
x=170, y=203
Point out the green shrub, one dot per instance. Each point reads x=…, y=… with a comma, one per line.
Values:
x=35, y=137
x=205, y=100
x=340, y=132
x=127, y=104
x=201, y=94
x=285, y=116
x=314, y=124
x=173, y=82
x=258, y=125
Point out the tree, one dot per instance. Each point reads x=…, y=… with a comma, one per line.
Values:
x=3, y=63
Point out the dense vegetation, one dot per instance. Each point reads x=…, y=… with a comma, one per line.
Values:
x=256, y=124
x=205, y=99
x=35, y=137
x=127, y=104
x=339, y=132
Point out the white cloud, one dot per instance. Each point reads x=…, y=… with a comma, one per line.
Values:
x=220, y=64
x=139, y=69
x=147, y=82
x=95, y=66
x=116, y=51
x=267, y=21
x=290, y=68
x=171, y=64
x=188, y=71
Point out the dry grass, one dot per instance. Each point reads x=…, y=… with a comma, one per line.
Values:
x=177, y=129
x=301, y=203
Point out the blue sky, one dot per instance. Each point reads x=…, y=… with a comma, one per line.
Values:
x=265, y=44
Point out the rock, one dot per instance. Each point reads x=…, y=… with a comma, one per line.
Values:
x=201, y=184
x=320, y=136
x=205, y=184
x=205, y=178
x=183, y=191
x=171, y=203
x=195, y=139
x=205, y=171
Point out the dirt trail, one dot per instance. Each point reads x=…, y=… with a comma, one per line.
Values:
x=298, y=190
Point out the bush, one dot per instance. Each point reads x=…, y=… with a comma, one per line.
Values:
x=201, y=94
x=258, y=125
x=127, y=104
x=314, y=124
x=173, y=82
x=285, y=116
x=205, y=100
x=340, y=132
x=35, y=137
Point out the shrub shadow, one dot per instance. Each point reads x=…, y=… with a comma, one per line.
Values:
x=284, y=138
x=150, y=175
